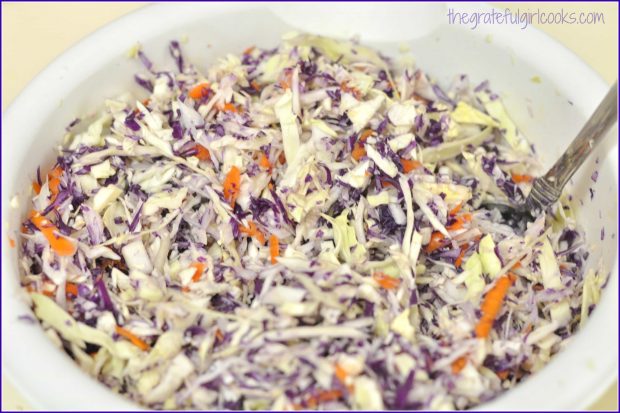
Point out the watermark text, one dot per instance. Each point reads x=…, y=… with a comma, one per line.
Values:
x=523, y=18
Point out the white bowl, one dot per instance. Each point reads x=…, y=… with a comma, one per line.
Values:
x=509, y=57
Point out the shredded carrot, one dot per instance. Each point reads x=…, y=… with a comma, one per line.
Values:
x=459, y=259
x=358, y=151
x=232, y=184
x=492, y=303
x=274, y=248
x=49, y=293
x=228, y=107
x=282, y=158
x=146, y=102
x=409, y=165
x=199, y=269
x=517, y=266
x=459, y=222
x=249, y=50
x=199, y=91
x=503, y=375
x=11, y=242
x=458, y=365
x=219, y=335
x=135, y=340
x=202, y=153
x=386, y=184
x=341, y=374
x=346, y=88
x=270, y=186
x=36, y=187
x=328, y=396
x=456, y=209
x=185, y=289
x=436, y=242
x=71, y=288
x=61, y=245
x=264, y=161
x=255, y=85
x=365, y=135
x=53, y=180
x=322, y=396
x=253, y=231
x=285, y=82
x=386, y=281
x=517, y=178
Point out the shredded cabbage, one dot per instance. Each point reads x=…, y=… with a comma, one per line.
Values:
x=301, y=227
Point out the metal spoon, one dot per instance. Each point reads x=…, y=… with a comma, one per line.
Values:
x=546, y=190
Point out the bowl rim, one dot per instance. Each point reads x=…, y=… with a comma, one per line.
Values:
x=39, y=391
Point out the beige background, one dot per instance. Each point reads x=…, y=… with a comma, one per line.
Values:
x=33, y=34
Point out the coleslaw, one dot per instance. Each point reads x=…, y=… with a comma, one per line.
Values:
x=303, y=227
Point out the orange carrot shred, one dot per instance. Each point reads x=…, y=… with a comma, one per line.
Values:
x=264, y=161
x=71, y=288
x=274, y=248
x=135, y=340
x=219, y=335
x=386, y=281
x=329, y=395
x=322, y=396
x=365, y=134
x=285, y=82
x=282, y=158
x=253, y=231
x=202, y=153
x=517, y=266
x=11, y=242
x=517, y=178
x=503, y=375
x=53, y=179
x=409, y=165
x=459, y=259
x=229, y=107
x=199, y=269
x=61, y=245
x=342, y=376
x=492, y=304
x=199, y=91
x=458, y=365
x=435, y=243
x=232, y=184
x=459, y=222
x=249, y=50
x=36, y=187
x=456, y=209
x=348, y=89
x=255, y=85
x=358, y=151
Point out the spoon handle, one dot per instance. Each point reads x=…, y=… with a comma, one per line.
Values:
x=547, y=189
